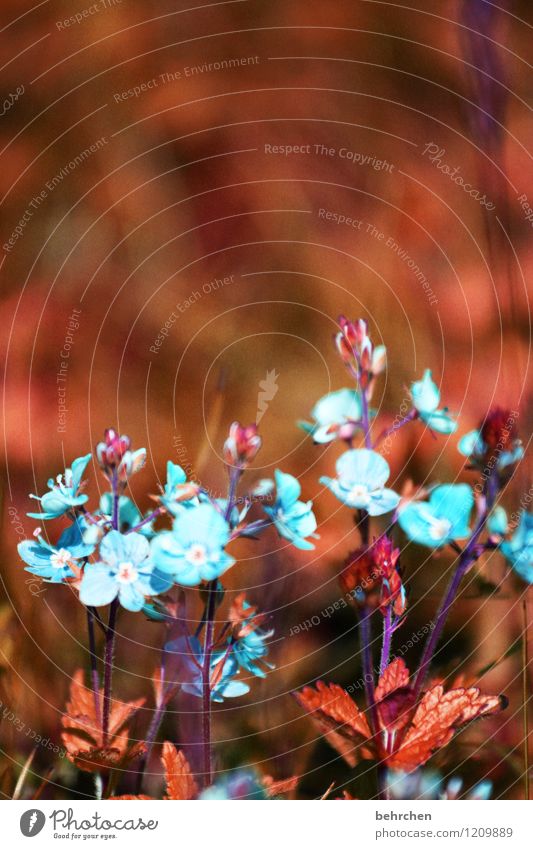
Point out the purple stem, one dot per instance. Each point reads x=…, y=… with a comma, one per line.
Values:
x=365, y=636
x=410, y=417
x=206, y=682
x=116, y=497
x=368, y=676
x=94, y=667
x=147, y=520
x=253, y=527
x=109, y=649
x=387, y=637
x=155, y=724
x=108, y=668
x=365, y=418
x=364, y=526
x=235, y=474
x=467, y=557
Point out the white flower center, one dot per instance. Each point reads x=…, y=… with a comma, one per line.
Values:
x=359, y=492
x=197, y=554
x=59, y=559
x=127, y=573
x=439, y=528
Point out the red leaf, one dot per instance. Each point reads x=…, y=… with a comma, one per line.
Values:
x=338, y=718
x=83, y=735
x=395, y=676
x=436, y=719
x=179, y=778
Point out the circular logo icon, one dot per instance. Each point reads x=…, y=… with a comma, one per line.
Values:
x=32, y=822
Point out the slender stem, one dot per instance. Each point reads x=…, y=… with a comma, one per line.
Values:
x=365, y=418
x=368, y=675
x=525, y=697
x=467, y=557
x=94, y=667
x=365, y=636
x=109, y=648
x=116, y=499
x=99, y=621
x=235, y=475
x=411, y=416
x=206, y=682
x=209, y=629
x=253, y=527
x=108, y=668
x=387, y=637
x=146, y=520
x=364, y=526
x=155, y=724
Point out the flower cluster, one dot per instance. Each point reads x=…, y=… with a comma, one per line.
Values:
x=115, y=557
x=439, y=516
x=169, y=563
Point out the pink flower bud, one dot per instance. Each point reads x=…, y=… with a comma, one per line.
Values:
x=242, y=444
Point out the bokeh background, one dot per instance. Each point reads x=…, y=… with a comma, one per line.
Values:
x=153, y=205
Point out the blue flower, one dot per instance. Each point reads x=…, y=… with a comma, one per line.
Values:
x=55, y=563
x=249, y=644
x=124, y=570
x=190, y=656
x=429, y=784
x=472, y=446
x=440, y=520
x=426, y=398
x=519, y=549
x=294, y=519
x=239, y=785
x=177, y=495
x=336, y=416
x=497, y=522
x=360, y=482
x=193, y=551
x=480, y=793
x=64, y=492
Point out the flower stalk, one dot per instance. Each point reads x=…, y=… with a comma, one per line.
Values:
x=466, y=559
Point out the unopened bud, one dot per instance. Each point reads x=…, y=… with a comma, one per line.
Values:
x=242, y=444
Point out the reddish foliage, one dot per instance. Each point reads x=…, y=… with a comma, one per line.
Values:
x=83, y=736
x=421, y=729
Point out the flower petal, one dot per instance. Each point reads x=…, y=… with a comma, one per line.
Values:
x=98, y=586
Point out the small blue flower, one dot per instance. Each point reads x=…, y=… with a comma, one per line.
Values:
x=64, y=492
x=193, y=551
x=497, y=522
x=250, y=644
x=336, y=416
x=428, y=784
x=241, y=785
x=519, y=549
x=124, y=570
x=294, y=519
x=423, y=784
x=442, y=519
x=190, y=656
x=175, y=497
x=426, y=398
x=54, y=563
x=360, y=482
x=472, y=446
x=481, y=792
